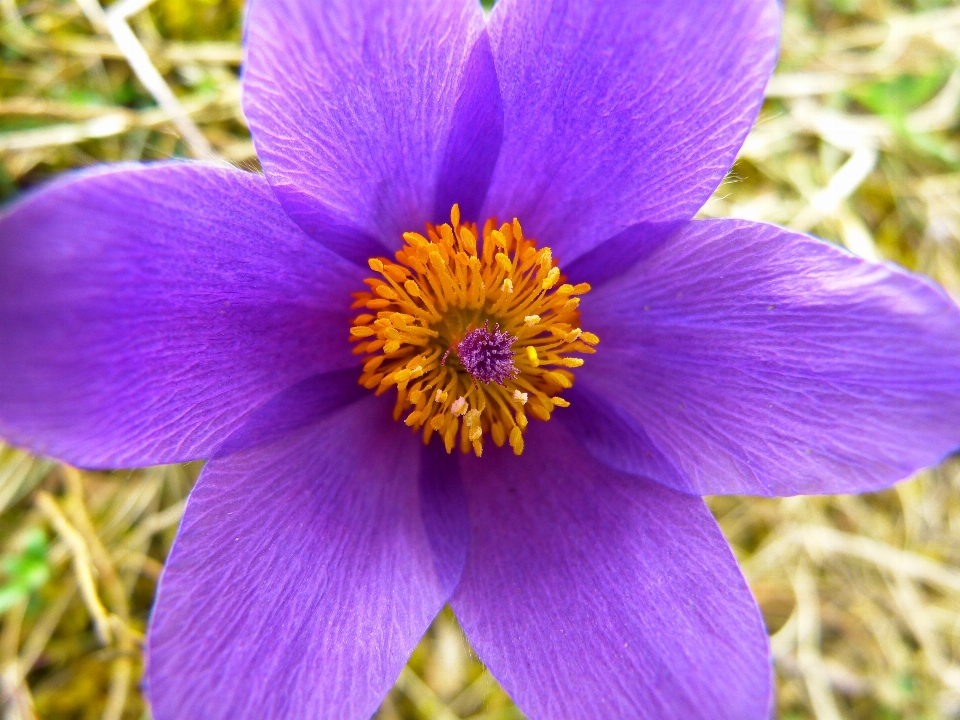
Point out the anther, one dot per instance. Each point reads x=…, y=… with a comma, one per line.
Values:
x=532, y=356
x=551, y=279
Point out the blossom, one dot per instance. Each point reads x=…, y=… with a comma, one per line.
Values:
x=315, y=333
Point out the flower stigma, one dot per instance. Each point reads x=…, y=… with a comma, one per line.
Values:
x=475, y=333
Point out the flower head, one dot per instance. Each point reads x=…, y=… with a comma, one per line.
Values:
x=164, y=313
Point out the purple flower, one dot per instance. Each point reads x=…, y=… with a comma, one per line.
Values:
x=164, y=313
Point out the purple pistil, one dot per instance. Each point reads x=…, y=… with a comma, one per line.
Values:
x=487, y=355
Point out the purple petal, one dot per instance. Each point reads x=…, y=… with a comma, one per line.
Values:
x=144, y=310
x=302, y=576
x=353, y=103
x=443, y=505
x=590, y=593
x=476, y=134
x=444, y=511
x=622, y=113
x=626, y=248
x=744, y=358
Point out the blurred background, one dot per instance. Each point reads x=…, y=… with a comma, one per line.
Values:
x=858, y=142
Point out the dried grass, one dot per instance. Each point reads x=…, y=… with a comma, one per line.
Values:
x=858, y=143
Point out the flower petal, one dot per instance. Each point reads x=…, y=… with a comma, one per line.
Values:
x=444, y=510
x=146, y=309
x=757, y=360
x=302, y=576
x=476, y=133
x=591, y=593
x=622, y=113
x=353, y=104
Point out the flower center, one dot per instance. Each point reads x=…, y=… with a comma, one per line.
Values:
x=488, y=356
x=473, y=336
